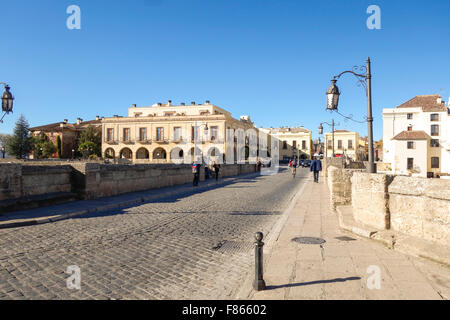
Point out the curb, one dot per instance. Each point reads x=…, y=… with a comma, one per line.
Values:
x=126, y=203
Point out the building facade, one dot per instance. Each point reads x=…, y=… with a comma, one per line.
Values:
x=292, y=142
x=416, y=137
x=68, y=133
x=166, y=133
x=346, y=144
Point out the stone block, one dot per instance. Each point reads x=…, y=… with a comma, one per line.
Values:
x=370, y=199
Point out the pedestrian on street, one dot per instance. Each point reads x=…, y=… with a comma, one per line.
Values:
x=258, y=165
x=316, y=167
x=196, y=172
x=207, y=172
x=216, y=168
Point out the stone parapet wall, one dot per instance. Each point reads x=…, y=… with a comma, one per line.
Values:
x=421, y=207
x=339, y=183
x=370, y=199
x=10, y=181
x=95, y=180
x=413, y=206
x=37, y=180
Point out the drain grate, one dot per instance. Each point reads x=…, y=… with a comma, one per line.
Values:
x=233, y=247
x=309, y=240
x=345, y=238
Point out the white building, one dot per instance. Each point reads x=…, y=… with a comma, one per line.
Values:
x=416, y=137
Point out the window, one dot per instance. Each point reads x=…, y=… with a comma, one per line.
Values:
x=410, y=163
x=350, y=144
x=329, y=144
x=159, y=134
x=194, y=133
x=110, y=134
x=435, y=162
x=214, y=133
x=339, y=144
x=410, y=145
x=177, y=133
x=409, y=116
x=294, y=144
x=435, y=130
x=434, y=143
x=303, y=145
x=284, y=145
x=142, y=134
x=410, y=128
x=126, y=134
x=434, y=117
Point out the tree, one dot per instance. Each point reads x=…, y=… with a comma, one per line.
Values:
x=58, y=146
x=19, y=144
x=42, y=147
x=90, y=142
x=4, y=142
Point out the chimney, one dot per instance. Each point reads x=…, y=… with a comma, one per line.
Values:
x=207, y=102
x=97, y=117
x=183, y=104
x=439, y=100
x=79, y=121
x=193, y=103
x=133, y=106
x=159, y=104
x=169, y=103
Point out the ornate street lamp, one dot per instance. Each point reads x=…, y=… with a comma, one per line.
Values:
x=333, y=96
x=332, y=124
x=7, y=101
x=333, y=101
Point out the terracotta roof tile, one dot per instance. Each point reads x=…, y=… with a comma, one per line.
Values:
x=411, y=135
x=428, y=103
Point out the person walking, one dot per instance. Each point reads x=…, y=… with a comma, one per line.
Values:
x=293, y=166
x=316, y=167
x=196, y=172
x=216, y=168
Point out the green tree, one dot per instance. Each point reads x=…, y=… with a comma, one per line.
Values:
x=42, y=147
x=19, y=144
x=90, y=142
x=4, y=142
x=58, y=146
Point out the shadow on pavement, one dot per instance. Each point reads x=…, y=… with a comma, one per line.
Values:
x=312, y=282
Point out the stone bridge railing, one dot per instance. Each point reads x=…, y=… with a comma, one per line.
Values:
x=415, y=206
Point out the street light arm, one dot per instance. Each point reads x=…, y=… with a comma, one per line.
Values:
x=349, y=71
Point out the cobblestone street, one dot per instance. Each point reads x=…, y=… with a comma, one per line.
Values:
x=190, y=246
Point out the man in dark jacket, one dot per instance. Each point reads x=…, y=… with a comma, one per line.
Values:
x=316, y=167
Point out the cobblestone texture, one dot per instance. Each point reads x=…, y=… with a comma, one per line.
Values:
x=196, y=246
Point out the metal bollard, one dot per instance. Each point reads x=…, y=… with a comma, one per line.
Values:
x=259, y=283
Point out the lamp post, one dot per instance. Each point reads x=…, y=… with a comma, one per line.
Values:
x=196, y=138
x=333, y=101
x=332, y=125
x=7, y=101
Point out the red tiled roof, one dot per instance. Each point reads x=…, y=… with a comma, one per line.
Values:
x=56, y=127
x=411, y=135
x=428, y=103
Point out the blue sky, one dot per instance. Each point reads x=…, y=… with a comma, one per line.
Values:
x=270, y=59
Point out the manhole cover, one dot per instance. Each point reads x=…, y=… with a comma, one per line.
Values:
x=345, y=238
x=309, y=240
